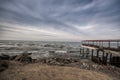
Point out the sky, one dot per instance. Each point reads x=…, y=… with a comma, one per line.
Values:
x=59, y=20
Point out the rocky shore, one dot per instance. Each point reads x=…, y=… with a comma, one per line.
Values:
x=86, y=64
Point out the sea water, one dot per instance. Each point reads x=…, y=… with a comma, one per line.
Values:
x=40, y=49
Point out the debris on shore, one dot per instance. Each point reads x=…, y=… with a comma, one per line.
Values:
x=70, y=62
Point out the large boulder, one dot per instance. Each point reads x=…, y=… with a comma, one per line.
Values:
x=4, y=57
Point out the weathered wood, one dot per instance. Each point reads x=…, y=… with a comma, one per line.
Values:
x=87, y=53
x=106, y=58
x=115, y=61
x=92, y=54
x=103, y=55
x=110, y=58
x=97, y=60
x=97, y=53
x=98, y=45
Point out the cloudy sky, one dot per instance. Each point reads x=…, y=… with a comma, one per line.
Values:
x=63, y=20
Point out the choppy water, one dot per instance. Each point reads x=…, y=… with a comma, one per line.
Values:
x=40, y=49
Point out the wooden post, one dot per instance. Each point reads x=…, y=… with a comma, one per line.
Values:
x=92, y=54
x=106, y=58
x=103, y=58
x=87, y=53
x=80, y=52
x=83, y=52
x=97, y=53
x=80, y=56
x=110, y=58
x=83, y=49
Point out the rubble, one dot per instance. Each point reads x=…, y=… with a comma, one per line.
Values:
x=25, y=57
x=58, y=61
x=73, y=62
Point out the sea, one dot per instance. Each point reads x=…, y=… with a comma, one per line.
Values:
x=40, y=49
x=44, y=49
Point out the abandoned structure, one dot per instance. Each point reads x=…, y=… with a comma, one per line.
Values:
x=105, y=52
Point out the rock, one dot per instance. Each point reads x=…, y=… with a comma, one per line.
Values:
x=42, y=60
x=67, y=61
x=4, y=57
x=3, y=66
x=26, y=54
x=13, y=57
x=23, y=58
x=26, y=60
x=58, y=61
x=18, y=57
x=34, y=60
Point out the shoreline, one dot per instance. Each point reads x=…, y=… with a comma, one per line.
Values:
x=84, y=64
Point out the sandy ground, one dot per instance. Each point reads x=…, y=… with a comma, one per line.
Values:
x=37, y=71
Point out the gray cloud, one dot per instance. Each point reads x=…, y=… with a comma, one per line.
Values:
x=85, y=19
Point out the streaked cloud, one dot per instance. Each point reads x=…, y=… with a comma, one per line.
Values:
x=59, y=19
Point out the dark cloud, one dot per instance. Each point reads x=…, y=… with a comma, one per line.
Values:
x=72, y=16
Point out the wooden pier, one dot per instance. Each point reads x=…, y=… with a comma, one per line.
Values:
x=110, y=50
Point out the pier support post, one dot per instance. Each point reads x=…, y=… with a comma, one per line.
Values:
x=98, y=58
x=80, y=52
x=92, y=54
x=106, y=58
x=103, y=58
x=110, y=58
x=83, y=53
x=97, y=53
x=87, y=52
x=80, y=55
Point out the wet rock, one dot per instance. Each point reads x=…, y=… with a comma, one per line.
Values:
x=23, y=58
x=18, y=57
x=13, y=57
x=4, y=57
